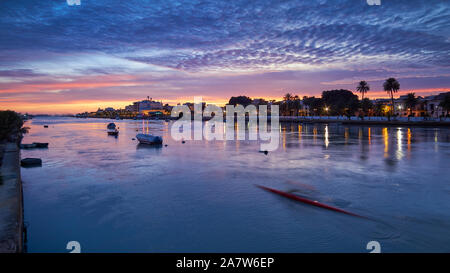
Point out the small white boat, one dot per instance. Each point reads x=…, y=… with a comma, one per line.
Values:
x=149, y=139
x=112, y=130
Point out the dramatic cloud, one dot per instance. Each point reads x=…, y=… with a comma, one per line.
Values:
x=178, y=49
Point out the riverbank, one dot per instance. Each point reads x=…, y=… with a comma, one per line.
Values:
x=381, y=121
x=11, y=200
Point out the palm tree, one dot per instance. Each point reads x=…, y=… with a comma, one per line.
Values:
x=288, y=96
x=391, y=86
x=287, y=99
x=297, y=105
x=411, y=102
x=363, y=87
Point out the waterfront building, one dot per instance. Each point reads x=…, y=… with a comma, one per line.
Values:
x=149, y=104
x=425, y=106
x=145, y=106
x=133, y=107
x=432, y=104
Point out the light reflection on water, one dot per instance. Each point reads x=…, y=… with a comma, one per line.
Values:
x=111, y=194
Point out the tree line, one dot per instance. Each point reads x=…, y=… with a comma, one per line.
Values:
x=341, y=102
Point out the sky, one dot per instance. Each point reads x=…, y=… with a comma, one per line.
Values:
x=60, y=58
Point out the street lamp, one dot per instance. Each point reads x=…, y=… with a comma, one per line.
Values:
x=400, y=109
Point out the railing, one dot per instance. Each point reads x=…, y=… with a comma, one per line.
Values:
x=344, y=118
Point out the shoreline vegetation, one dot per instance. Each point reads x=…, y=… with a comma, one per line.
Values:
x=11, y=196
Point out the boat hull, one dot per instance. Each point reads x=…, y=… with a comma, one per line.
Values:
x=149, y=139
x=307, y=201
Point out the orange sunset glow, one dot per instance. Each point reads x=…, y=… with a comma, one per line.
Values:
x=68, y=68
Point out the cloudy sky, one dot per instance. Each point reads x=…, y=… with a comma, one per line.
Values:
x=56, y=58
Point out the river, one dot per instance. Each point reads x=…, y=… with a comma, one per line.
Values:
x=112, y=195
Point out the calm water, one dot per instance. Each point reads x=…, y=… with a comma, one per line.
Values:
x=111, y=194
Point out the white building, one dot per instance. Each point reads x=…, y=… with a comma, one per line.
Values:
x=150, y=104
x=144, y=105
x=432, y=105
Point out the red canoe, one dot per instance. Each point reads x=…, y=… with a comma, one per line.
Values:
x=307, y=201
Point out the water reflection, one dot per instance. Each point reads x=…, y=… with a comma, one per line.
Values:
x=147, y=146
x=299, y=132
x=346, y=135
x=315, y=134
x=409, y=139
x=386, y=142
x=436, y=146
x=399, y=152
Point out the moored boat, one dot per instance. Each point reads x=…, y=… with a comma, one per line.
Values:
x=41, y=144
x=149, y=139
x=31, y=162
x=28, y=146
x=112, y=130
x=34, y=145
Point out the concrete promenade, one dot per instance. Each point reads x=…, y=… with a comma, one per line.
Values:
x=11, y=200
